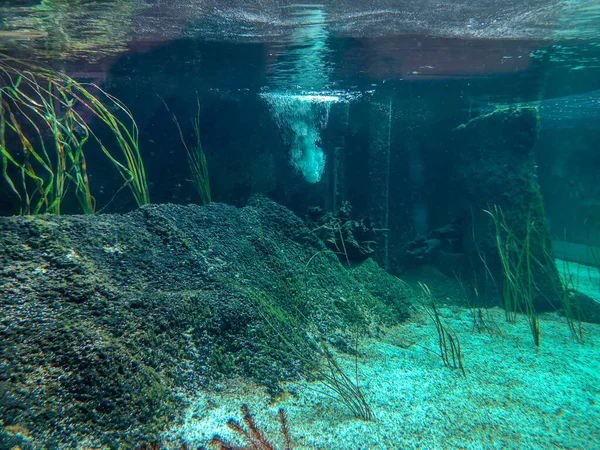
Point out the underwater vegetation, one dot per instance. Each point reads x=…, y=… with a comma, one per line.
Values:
x=517, y=260
x=448, y=341
x=195, y=156
x=253, y=435
x=49, y=114
x=314, y=353
x=254, y=438
x=49, y=125
x=318, y=361
x=523, y=259
x=571, y=304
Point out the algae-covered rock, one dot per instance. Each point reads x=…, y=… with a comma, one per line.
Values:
x=106, y=322
x=498, y=173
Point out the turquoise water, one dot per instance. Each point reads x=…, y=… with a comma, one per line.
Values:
x=381, y=218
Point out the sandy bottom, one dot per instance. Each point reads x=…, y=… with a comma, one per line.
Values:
x=514, y=395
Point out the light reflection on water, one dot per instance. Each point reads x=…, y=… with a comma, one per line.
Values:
x=82, y=28
x=343, y=45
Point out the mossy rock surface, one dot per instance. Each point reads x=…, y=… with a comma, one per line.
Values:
x=106, y=322
x=499, y=174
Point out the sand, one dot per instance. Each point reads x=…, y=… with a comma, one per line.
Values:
x=515, y=395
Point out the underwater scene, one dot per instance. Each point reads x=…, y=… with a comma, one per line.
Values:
x=269, y=225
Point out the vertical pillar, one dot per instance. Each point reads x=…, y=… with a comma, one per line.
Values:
x=335, y=142
x=339, y=156
x=380, y=118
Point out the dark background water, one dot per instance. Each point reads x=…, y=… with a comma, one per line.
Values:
x=435, y=65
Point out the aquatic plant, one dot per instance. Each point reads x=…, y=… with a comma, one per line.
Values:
x=571, y=304
x=47, y=171
x=35, y=102
x=345, y=389
x=517, y=260
x=354, y=239
x=482, y=322
x=195, y=156
x=318, y=359
x=255, y=438
x=334, y=378
x=448, y=342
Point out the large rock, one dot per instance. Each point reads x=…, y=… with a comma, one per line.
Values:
x=105, y=321
x=498, y=174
